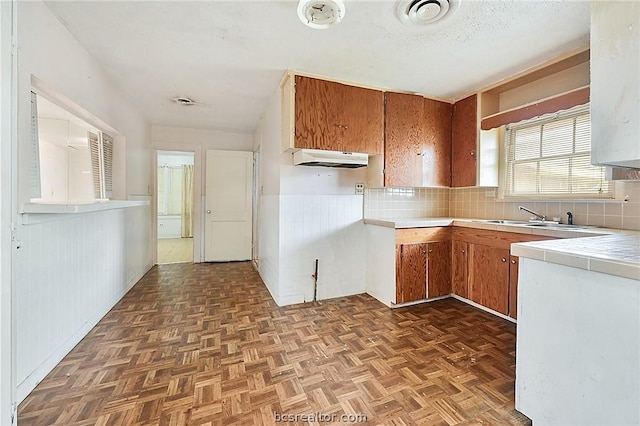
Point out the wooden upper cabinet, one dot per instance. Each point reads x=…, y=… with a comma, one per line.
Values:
x=436, y=143
x=464, y=142
x=403, y=137
x=337, y=117
x=417, y=141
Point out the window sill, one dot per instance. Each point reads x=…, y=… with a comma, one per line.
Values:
x=31, y=212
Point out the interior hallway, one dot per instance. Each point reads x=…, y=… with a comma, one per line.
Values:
x=196, y=344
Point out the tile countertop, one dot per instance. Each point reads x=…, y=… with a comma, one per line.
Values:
x=609, y=251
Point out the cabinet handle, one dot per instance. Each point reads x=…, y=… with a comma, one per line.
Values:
x=463, y=251
x=430, y=251
x=424, y=252
x=504, y=259
x=473, y=153
x=513, y=261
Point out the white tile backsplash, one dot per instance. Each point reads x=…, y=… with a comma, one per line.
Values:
x=406, y=202
x=324, y=227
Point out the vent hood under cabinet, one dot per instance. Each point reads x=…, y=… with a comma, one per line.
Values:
x=317, y=157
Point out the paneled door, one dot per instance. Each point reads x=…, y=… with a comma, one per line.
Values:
x=228, y=209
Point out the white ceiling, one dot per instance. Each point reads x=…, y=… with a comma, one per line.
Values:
x=231, y=55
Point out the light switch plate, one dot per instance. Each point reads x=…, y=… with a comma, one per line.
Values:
x=359, y=188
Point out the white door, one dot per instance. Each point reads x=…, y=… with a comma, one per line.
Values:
x=228, y=210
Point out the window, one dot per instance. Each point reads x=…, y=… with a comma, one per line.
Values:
x=551, y=157
x=74, y=160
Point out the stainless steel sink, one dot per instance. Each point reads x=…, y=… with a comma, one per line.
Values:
x=556, y=225
x=550, y=225
x=504, y=222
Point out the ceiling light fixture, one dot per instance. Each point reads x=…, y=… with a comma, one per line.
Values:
x=424, y=12
x=321, y=14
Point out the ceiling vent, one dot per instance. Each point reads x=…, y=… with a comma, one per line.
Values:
x=426, y=12
x=321, y=14
x=181, y=100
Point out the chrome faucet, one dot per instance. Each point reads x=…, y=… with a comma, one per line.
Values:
x=538, y=215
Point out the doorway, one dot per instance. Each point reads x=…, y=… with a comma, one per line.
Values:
x=228, y=215
x=175, y=200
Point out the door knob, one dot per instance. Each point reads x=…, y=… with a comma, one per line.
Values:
x=208, y=211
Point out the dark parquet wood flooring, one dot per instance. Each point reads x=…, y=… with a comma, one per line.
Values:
x=205, y=344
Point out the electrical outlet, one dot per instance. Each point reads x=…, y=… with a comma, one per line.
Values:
x=359, y=188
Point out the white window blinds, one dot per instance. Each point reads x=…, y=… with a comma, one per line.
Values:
x=101, y=149
x=107, y=164
x=551, y=156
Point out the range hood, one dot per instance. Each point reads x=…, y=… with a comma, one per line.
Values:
x=317, y=157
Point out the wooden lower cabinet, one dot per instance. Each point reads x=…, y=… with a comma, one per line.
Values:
x=438, y=269
x=483, y=270
x=411, y=272
x=423, y=271
x=472, y=263
x=489, y=277
x=459, y=268
x=513, y=287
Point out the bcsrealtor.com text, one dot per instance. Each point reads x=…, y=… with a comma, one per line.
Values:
x=319, y=417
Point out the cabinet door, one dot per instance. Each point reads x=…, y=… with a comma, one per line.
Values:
x=489, y=277
x=464, y=142
x=438, y=269
x=436, y=143
x=403, y=139
x=411, y=270
x=513, y=287
x=459, y=282
x=338, y=117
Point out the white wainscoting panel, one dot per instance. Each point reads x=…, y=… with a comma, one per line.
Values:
x=69, y=273
x=324, y=227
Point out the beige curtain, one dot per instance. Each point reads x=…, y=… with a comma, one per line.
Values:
x=187, y=201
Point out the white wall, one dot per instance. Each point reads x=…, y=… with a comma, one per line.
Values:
x=50, y=54
x=267, y=139
x=577, y=346
x=7, y=148
x=381, y=263
x=307, y=213
x=72, y=268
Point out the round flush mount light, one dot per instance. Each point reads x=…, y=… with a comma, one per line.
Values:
x=425, y=12
x=321, y=14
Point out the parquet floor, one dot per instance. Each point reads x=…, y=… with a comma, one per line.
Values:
x=204, y=344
